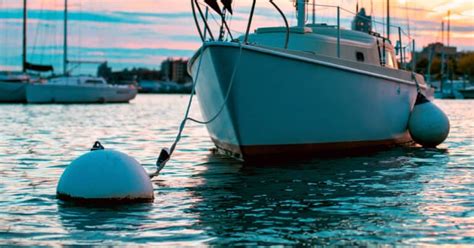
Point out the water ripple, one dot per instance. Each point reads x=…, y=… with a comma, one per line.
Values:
x=404, y=196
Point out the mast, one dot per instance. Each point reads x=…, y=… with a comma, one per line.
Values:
x=449, y=26
x=442, y=57
x=23, y=56
x=448, y=71
x=314, y=11
x=430, y=60
x=301, y=13
x=388, y=19
x=65, y=39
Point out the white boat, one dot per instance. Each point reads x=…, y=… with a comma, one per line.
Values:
x=467, y=93
x=329, y=91
x=451, y=89
x=12, y=86
x=79, y=89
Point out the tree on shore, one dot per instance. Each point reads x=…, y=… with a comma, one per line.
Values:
x=466, y=65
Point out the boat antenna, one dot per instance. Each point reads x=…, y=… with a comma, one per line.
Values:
x=388, y=19
x=65, y=39
x=24, y=35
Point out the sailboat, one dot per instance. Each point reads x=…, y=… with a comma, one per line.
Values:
x=13, y=84
x=467, y=93
x=77, y=89
x=306, y=90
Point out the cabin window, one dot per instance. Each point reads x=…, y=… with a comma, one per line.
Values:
x=93, y=82
x=389, y=60
x=360, y=56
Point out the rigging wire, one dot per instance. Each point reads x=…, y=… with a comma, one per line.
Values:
x=54, y=48
x=383, y=19
x=79, y=54
x=407, y=17
x=38, y=27
x=229, y=21
x=4, y=37
x=374, y=23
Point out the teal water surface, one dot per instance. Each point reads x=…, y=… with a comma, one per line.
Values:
x=404, y=196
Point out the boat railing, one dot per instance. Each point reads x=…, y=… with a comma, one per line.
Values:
x=196, y=5
x=404, y=43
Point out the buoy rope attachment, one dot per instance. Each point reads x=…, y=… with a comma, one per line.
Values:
x=227, y=93
x=97, y=146
x=420, y=97
x=166, y=153
x=413, y=76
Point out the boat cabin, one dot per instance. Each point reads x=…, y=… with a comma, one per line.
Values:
x=78, y=80
x=321, y=39
x=13, y=77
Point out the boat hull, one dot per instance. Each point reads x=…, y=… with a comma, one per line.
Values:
x=467, y=93
x=12, y=92
x=283, y=105
x=44, y=93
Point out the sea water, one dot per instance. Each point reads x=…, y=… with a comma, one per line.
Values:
x=404, y=196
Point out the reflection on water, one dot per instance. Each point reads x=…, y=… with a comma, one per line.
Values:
x=343, y=201
x=401, y=196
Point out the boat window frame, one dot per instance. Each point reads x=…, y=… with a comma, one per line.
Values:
x=390, y=58
x=93, y=81
x=360, y=57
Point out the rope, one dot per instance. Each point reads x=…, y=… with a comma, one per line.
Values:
x=227, y=93
x=160, y=164
x=166, y=154
x=413, y=76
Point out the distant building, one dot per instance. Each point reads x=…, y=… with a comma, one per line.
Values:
x=104, y=71
x=436, y=49
x=362, y=22
x=175, y=70
x=167, y=69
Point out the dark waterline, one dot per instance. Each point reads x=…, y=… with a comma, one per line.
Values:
x=405, y=196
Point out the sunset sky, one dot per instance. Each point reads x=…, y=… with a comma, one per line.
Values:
x=141, y=33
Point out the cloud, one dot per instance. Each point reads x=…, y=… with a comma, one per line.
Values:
x=142, y=32
x=80, y=16
x=118, y=57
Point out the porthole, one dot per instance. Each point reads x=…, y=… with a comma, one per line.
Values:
x=360, y=56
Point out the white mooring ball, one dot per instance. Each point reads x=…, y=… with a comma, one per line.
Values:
x=105, y=175
x=428, y=124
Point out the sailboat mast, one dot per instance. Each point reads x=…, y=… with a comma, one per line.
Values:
x=23, y=56
x=449, y=26
x=442, y=57
x=301, y=13
x=65, y=39
x=388, y=19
